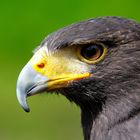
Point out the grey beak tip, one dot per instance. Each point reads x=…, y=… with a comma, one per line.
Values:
x=24, y=106
x=26, y=110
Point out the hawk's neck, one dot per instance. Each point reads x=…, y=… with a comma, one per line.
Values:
x=102, y=127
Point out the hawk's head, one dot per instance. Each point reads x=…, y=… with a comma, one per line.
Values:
x=95, y=63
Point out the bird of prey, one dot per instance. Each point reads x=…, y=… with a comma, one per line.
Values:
x=95, y=64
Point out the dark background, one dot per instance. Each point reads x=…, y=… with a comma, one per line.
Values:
x=23, y=25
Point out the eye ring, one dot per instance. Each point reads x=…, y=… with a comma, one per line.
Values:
x=92, y=53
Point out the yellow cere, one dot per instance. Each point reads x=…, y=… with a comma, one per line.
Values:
x=62, y=64
x=64, y=81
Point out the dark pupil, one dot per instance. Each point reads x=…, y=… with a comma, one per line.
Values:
x=90, y=51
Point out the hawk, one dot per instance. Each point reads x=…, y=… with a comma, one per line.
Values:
x=95, y=64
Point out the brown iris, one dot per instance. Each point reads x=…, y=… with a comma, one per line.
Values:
x=92, y=53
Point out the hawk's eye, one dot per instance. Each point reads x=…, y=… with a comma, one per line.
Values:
x=92, y=53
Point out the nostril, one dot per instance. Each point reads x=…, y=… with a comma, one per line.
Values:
x=41, y=65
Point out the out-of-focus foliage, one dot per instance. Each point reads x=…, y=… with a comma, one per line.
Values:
x=23, y=25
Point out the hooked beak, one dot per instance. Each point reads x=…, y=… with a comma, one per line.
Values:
x=44, y=73
x=29, y=83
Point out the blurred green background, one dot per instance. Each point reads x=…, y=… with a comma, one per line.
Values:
x=23, y=25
